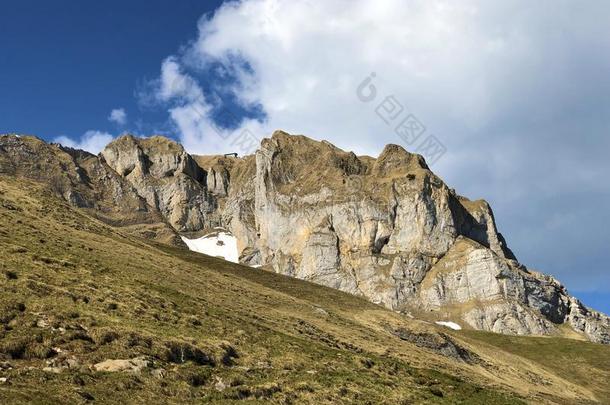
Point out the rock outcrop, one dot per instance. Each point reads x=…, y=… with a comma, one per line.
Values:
x=385, y=228
x=86, y=181
x=166, y=177
x=390, y=230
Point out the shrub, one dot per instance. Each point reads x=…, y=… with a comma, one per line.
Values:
x=436, y=391
x=181, y=352
x=266, y=391
x=104, y=336
x=367, y=363
x=39, y=351
x=197, y=378
x=15, y=349
x=229, y=354
x=11, y=275
x=135, y=339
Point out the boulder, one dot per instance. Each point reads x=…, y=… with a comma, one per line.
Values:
x=133, y=365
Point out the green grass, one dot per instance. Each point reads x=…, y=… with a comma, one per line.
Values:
x=583, y=363
x=74, y=289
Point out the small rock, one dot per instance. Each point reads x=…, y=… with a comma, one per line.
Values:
x=220, y=385
x=59, y=364
x=3, y=379
x=320, y=311
x=133, y=365
x=55, y=370
x=158, y=373
x=42, y=323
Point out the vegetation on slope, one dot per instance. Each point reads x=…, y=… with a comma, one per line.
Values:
x=75, y=292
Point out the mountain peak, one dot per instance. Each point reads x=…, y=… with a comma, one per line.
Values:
x=396, y=158
x=385, y=228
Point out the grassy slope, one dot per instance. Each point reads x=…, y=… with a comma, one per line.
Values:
x=71, y=283
x=584, y=363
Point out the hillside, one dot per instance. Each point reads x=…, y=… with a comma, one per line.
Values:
x=386, y=228
x=77, y=295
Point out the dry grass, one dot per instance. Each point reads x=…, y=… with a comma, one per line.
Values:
x=74, y=288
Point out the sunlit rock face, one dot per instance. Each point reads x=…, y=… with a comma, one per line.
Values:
x=166, y=177
x=390, y=230
x=384, y=228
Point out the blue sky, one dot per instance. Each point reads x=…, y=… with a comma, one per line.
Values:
x=517, y=92
x=67, y=64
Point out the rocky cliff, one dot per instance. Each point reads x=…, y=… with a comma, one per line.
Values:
x=385, y=228
x=166, y=177
x=390, y=230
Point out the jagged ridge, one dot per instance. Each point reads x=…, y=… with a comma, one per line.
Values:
x=387, y=229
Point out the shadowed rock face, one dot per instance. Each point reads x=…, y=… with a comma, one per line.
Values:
x=387, y=228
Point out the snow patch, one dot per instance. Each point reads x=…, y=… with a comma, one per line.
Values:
x=450, y=325
x=219, y=243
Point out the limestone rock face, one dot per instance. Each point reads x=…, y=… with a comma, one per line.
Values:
x=379, y=224
x=77, y=176
x=492, y=293
x=593, y=324
x=218, y=181
x=85, y=181
x=166, y=177
x=389, y=230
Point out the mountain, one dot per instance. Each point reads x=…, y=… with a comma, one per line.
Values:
x=385, y=228
x=101, y=302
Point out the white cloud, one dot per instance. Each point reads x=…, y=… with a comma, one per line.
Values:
x=190, y=113
x=174, y=84
x=91, y=141
x=514, y=90
x=459, y=67
x=118, y=116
